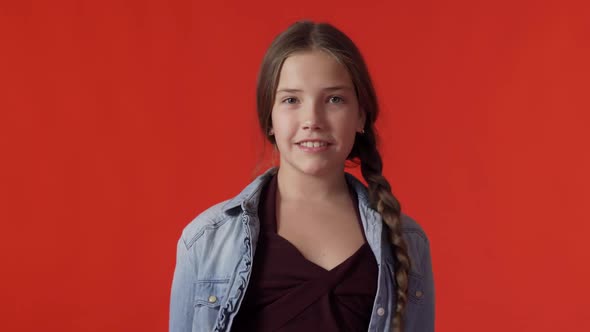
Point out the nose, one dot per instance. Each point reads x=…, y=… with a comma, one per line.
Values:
x=311, y=124
x=313, y=118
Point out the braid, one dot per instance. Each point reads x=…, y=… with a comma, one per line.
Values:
x=387, y=205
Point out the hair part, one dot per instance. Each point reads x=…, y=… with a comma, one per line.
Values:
x=309, y=36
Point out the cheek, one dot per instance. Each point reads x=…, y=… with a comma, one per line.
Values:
x=281, y=123
x=345, y=129
x=345, y=124
x=281, y=128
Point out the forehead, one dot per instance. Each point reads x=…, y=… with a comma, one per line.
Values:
x=312, y=70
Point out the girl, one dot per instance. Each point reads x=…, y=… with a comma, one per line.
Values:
x=306, y=246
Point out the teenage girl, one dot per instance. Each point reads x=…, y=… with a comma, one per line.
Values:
x=306, y=246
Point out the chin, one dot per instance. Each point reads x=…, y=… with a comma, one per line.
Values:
x=316, y=168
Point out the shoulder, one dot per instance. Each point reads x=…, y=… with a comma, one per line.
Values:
x=210, y=218
x=219, y=214
x=412, y=228
x=417, y=242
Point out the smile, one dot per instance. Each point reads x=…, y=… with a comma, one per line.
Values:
x=313, y=147
x=313, y=144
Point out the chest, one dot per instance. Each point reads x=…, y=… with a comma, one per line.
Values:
x=325, y=235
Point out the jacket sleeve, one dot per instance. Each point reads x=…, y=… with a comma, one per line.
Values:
x=181, y=297
x=426, y=321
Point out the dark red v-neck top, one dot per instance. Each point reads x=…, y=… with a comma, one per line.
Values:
x=287, y=292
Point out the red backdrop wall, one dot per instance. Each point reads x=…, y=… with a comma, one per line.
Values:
x=120, y=121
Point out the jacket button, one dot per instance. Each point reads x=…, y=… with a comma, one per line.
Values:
x=380, y=311
x=212, y=299
x=419, y=293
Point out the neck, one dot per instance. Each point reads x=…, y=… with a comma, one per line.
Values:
x=294, y=185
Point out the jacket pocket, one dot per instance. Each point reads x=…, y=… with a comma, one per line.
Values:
x=208, y=297
x=415, y=288
x=413, y=314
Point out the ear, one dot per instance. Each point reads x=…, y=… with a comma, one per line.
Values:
x=362, y=119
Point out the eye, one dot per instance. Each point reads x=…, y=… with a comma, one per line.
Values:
x=336, y=99
x=290, y=100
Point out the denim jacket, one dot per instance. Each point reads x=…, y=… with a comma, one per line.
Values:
x=216, y=251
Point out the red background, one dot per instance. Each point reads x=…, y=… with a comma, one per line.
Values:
x=120, y=121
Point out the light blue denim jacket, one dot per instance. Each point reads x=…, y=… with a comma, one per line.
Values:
x=216, y=251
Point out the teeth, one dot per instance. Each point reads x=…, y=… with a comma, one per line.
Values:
x=313, y=144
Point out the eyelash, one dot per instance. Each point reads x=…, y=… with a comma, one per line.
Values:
x=340, y=98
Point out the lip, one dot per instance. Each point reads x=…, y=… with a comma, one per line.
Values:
x=313, y=149
x=313, y=140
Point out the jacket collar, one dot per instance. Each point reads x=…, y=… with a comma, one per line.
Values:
x=249, y=197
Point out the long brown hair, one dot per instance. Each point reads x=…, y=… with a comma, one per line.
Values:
x=306, y=36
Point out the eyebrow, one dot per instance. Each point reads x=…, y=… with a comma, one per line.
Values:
x=331, y=88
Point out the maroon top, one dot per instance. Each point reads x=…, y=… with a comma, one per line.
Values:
x=287, y=292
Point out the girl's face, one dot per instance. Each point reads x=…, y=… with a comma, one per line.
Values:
x=315, y=115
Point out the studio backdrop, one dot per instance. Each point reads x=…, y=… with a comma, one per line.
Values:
x=120, y=121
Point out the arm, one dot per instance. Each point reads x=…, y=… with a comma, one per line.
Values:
x=426, y=319
x=181, y=298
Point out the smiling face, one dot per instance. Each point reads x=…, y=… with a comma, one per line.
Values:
x=315, y=115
